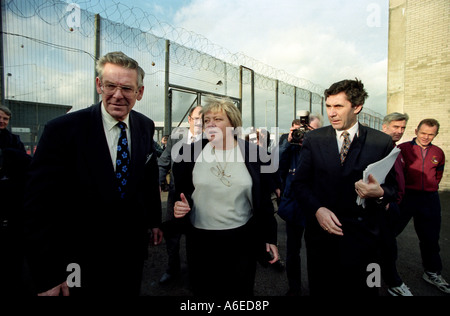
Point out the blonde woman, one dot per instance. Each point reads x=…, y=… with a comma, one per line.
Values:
x=224, y=199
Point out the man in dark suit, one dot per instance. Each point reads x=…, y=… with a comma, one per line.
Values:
x=341, y=236
x=83, y=223
x=172, y=236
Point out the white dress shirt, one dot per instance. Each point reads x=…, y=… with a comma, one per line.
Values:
x=112, y=132
x=190, y=136
x=352, y=131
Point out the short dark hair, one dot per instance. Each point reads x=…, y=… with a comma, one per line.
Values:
x=430, y=122
x=193, y=108
x=296, y=122
x=354, y=89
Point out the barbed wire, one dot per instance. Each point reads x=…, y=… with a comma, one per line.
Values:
x=127, y=22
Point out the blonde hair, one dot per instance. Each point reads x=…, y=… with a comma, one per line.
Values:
x=225, y=105
x=119, y=58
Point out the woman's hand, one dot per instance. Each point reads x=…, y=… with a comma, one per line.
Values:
x=181, y=208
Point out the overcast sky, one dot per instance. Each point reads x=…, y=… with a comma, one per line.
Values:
x=323, y=41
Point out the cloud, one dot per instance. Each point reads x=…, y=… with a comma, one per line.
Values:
x=322, y=41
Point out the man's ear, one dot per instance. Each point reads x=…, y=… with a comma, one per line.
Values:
x=97, y=85
x=140, y=93
x=358, y=109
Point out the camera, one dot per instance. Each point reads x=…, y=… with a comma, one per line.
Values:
x=299, y=134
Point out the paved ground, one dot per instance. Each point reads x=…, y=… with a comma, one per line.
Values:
x=270, y=282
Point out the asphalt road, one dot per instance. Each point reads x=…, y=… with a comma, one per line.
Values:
x=270, y=282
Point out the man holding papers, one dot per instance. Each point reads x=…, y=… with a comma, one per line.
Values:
x=342, y=237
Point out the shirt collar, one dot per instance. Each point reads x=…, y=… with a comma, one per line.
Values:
x=109, y=121
x=190, y=135
x=352, y=131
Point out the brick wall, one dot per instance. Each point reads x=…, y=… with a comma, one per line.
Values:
x=419, y=67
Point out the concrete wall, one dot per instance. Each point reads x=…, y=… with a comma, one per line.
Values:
x=419, y=67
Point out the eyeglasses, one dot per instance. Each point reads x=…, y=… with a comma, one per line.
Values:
x=110, y=88
x=196, y=118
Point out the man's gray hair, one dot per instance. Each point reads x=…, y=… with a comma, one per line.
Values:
x=395, y=116
x=316, y=116
x=6, y=110
x=119, y=58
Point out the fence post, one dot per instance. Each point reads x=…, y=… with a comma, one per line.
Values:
x=276, y=102
x=2, y=63
x=97, y=54
x=295, y=102
x=167, y=103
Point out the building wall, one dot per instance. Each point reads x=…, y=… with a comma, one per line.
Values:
x=419, y=67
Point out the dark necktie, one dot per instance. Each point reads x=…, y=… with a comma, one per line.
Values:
x=122, y=161
x=345, y=146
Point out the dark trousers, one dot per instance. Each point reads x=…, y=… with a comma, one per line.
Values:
x=389, y=249
x=111, y=276
x=337, y=265
x=11, y=262
x=221, y=262
x=172, y=237
x=425, y=208
x=294, y=234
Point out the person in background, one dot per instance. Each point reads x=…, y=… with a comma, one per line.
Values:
x=287, y=137
x=315, y=121
x=394, y=124
x=93, y=200
x=261, y=137
x=172, y=235
x=8, y=139
x=224, y=199
x=289, y=158
x=424, y=168
x=14, y=162
x=164, y=140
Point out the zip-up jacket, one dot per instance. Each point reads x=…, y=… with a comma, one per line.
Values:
x=422, y=173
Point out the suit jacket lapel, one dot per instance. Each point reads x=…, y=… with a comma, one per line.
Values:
x=330, y=148
x=356, y=145
x=141, y=150
x=138, y=139
x=98, y=157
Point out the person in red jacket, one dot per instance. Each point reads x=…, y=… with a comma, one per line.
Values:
x=424, y=167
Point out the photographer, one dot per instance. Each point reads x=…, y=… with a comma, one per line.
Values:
x=290, y=146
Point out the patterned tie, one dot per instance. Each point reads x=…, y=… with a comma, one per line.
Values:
x=122, y=161
x=345, y=146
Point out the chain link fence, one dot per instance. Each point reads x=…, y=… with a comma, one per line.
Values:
x=50, y=47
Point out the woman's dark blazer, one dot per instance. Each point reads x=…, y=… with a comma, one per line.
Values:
x=263, y=212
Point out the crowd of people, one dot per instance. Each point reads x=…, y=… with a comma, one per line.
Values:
x=81, y=213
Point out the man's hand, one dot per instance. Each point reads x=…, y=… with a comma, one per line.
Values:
x=290, y=133
x=157, y=236
x=63, y=289
x=273, y=250
x=328, y=221
x=372, y=189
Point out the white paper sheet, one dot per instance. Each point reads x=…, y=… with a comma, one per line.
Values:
x=379, y=170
